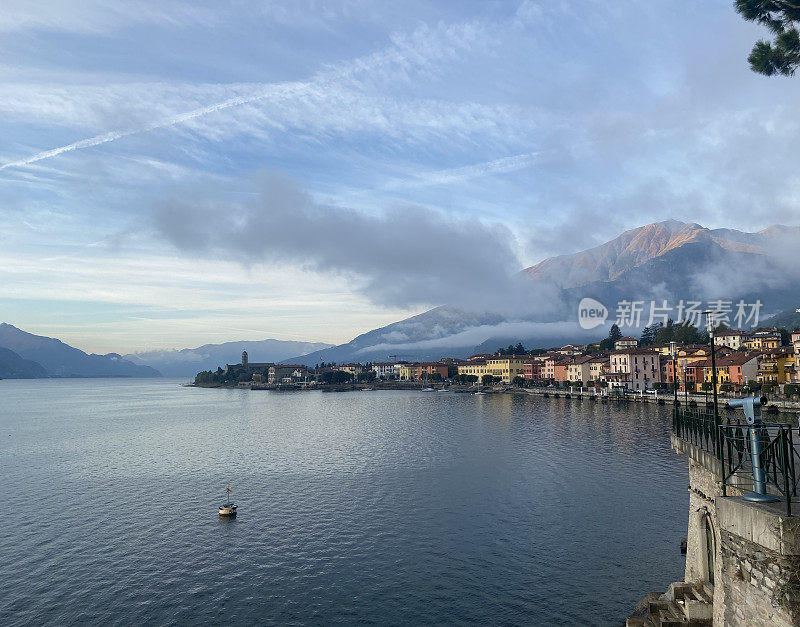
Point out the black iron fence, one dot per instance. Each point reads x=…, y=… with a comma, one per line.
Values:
x=697, y=427
x=731, y=443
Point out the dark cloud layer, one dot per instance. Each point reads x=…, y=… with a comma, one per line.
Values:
x=405, y=256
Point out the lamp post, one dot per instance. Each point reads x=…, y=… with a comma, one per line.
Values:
x=685, y=388
x=710, y=316
x=673, y=350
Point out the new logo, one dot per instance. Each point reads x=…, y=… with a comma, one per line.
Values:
x=591, y=313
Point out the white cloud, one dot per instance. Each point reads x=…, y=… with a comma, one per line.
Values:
x=416, y=50
x=96, y=16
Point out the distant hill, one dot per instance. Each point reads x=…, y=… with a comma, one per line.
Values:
x=12, y=366
x=62, y=360
x=789, y=320
x=189, y=361
x=636, y=247
x=668, y=260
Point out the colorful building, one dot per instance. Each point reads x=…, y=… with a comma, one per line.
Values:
x=507, y=366
x=776, y=366
x=476, y=367
x=638, y=368
x=430, y=369
x=763, y=340
x=532, y=370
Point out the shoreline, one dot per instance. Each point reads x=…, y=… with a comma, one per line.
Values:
x=775, y=406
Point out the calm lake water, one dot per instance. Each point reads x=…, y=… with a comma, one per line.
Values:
x=362, y=507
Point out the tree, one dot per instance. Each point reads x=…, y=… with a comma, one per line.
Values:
x=782, y=54
x=204, y=378
x=752, y=387
x=336, y=376
x=665, y=333
x=614, y=334
x=487, y=379
x=518, y=381
x=519, y=349
x=648, y=336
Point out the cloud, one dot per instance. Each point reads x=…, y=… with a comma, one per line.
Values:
x=407, y=51
x=457, y=175
x=542, y=332
x=95, y=16
x=405, y=256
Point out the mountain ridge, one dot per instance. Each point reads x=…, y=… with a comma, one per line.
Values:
x=62, y=360
x=13, y=366
x=188, y=361
x=669, y=260
x=637, y=246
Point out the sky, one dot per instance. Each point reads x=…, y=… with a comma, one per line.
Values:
x=174, y=174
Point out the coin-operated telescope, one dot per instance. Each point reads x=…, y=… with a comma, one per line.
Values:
x=752, y=413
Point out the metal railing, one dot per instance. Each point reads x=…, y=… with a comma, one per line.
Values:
x=698, y=428
x=730, y=443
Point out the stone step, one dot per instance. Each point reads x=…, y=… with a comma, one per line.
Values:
x=667, y=614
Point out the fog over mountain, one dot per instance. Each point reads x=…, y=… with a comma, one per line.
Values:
x=668, y=261
x=189, y=361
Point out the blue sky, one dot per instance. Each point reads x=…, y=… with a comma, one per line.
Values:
x=177, y=173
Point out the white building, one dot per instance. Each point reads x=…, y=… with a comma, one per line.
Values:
x=384, y=369
x=732, y=339
x=626, y=342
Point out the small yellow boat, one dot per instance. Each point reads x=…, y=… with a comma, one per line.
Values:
x=229, y=508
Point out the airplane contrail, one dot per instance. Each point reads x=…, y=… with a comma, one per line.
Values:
x=285, y=90
x=488, y=168
x=381, y=58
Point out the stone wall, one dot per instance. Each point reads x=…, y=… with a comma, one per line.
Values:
x=756, y=549
x=760, y=586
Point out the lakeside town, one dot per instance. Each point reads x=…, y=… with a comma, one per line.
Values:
x=765, y=361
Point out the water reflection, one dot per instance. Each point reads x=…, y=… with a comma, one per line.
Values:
x=383, y=507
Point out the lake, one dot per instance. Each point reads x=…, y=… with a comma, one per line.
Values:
x=381, y=507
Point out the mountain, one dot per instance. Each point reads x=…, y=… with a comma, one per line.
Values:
x=189, y=361
x=12, y=366
x=789, y=320
x=427, y=336
x=665, y=261
x=62, y=360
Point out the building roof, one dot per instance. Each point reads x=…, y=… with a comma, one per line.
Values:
x=479, y=356
x=737, y=359
x=634, y=351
